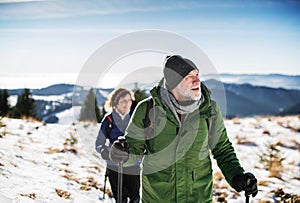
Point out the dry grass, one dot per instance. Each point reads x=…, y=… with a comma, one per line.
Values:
x=244, y=141
x=290, y=122
x=30, y=118
x=63, y=193
x=62, y=150
x=30, y=195
x=236, y=121
x=272, y=160
x=265, y=201
x=266, y=132
x=263, y=183
x=86, y=183
x=286, y=197
x=2, y=128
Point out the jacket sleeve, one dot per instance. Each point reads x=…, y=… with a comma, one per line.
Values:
x=221, y=146
x=102, y=135
x=135, y=133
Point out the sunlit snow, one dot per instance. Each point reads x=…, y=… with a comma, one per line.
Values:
x=57, y=162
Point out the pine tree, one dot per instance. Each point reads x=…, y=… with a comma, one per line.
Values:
x=102, y=111
x=139, y=94
x=90, y=110
x=4, y=105
x=25, y=105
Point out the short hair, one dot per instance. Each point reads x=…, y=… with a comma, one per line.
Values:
x=114, y=97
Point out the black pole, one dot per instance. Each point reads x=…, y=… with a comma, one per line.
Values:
x=105, y=179
x=120, y=182
x=247, y=198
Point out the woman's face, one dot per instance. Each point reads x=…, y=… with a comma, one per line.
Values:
x=124, y=104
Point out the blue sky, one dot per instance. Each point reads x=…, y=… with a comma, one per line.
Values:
x=58, y=36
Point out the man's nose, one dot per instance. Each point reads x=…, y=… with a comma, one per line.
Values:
x=196, y=79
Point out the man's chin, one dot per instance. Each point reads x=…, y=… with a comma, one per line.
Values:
x=196, y=97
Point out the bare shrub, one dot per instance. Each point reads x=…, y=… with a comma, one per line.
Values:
x=272, y=160
x=286, y=197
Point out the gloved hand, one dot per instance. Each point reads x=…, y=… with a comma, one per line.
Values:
x=246, y=182
x=104, y=151
x=119, y=151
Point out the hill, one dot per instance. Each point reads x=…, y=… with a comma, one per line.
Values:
x=248, y=100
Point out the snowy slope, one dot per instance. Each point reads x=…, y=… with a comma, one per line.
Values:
x=36, y=165
x=43, y=163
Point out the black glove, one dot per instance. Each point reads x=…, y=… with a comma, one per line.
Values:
x=119, y=151
x=104, y=151
x=246, y=182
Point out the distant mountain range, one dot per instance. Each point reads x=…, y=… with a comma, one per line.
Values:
x=248, y=100
x=56, y=89
x=242, y=99
x=268, y=80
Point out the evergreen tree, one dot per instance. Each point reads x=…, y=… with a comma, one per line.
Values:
x=103, y=112
x=139, y=94
x=25, y=105
x=90, y=110
x=4, y=105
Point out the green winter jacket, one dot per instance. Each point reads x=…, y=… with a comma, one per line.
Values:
x=177, y=165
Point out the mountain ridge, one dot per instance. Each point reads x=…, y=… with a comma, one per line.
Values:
x=235, y=100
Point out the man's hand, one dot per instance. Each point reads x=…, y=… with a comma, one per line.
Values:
x=104, y=151
x=246, y=182
x=119, y=152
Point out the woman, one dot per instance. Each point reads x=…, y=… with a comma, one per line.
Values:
x=120, y=101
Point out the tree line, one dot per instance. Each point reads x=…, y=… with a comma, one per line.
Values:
x=25, y=106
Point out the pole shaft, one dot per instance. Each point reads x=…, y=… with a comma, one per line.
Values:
x=247, y=198
x=120, y=182
x=105, y=179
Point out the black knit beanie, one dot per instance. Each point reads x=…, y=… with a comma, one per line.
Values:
x=175, y=69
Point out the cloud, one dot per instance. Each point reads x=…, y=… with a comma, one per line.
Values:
x=41, y=9
x=18, y=1
x=67, y=30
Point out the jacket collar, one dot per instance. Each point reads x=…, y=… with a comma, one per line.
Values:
x=204, y=109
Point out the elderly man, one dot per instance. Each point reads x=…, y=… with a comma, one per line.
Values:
x=185, y=126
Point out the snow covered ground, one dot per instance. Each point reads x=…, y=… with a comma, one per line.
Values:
x=45, y=163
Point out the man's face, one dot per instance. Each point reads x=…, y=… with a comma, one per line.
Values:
x=189, y=88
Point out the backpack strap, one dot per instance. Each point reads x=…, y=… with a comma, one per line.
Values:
x=109, y=125
x=148, y=125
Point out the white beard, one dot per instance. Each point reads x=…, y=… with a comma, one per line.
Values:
x=189, y=95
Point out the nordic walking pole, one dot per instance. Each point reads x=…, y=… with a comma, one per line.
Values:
x=120, y=181
x=247, y=198
x=105, y=179
x=121, y=149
